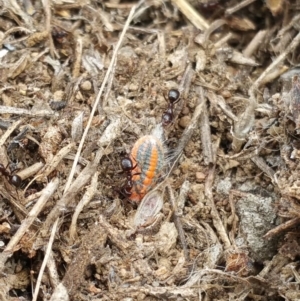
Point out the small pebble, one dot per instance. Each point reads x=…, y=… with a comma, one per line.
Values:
x=185, y=111
x=86, y=85
x=226, y=94
x=184, y=121
x=200, y=176
x=58, y=95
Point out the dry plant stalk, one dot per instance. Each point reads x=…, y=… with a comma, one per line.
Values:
x=230, y=11
x=214, y=212
x=30, y=171
x=290, y=48
x=207, y=150
x=89, y=194
x=53, y=164
x=188, y=132
x=192, y=15
x=243, y=125
x=9, y=131
x=45, y=261
x=52, y=271
x=19, y=111
x=47, y=193
x=282, y=227
x=254, y=43
x=69, y=197
x=77, y=63
x=261, y=164
x=177, y=221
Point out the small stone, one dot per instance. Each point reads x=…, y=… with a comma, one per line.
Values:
x=185, y=111
x=86, y=85
x=58, y=95
x=200, y=176
x=184, y=121
x=226, y=94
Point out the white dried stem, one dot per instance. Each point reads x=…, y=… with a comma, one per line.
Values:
x=47, y=9
x=52, y=270
x=30, y=171
x=18, y=111
x=48, y=191
x=77, y=127
x=177, y=221
x=239, y=6
x=220, y=43
x=295, y=42
x=263, y=166
x=255, y=43
x=8, y=132
x=214, y=212
x=47, y=254
x=50, y=167
x=89, y=194
x=185, y=187
x=205, y=136
x=70, y=196
x=188, y=132
x=191, y=14
x=77, y=63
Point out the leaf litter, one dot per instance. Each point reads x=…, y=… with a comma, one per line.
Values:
x=81, y=82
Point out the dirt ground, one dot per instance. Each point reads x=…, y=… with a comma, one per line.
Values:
x=80, y=84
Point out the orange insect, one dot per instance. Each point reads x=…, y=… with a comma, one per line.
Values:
x=148, y=153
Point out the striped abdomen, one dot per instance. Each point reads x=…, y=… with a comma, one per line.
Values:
x=148, y=153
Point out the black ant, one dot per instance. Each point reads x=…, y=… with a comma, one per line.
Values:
x=12, y=179
x=173, y=97
x=127, y=168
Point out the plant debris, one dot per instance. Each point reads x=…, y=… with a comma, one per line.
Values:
x=216, y=83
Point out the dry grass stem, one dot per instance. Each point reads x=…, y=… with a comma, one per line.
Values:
x=189, y=130
x=77, y=63
x=52, y=270
x=56, y=160
x=282, y=227
x=214, y=212
x=89, y=194
x=191, y=14
x=177, y=221
x=255, y=43
x=30, y=171
x=238, y=7
x=9, y=131
x=32, y=215
x=291, y=47
x=69, y=197
x=263, y=166
x=45, y=261
x=19, y=111
x=207, y=150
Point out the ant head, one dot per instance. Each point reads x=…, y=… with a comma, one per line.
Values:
x=173, y=96
x=126, y=164
x=16, y=180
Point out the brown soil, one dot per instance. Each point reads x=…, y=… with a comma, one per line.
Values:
x=81, y=82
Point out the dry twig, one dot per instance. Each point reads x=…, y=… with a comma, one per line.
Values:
x=11, y=246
